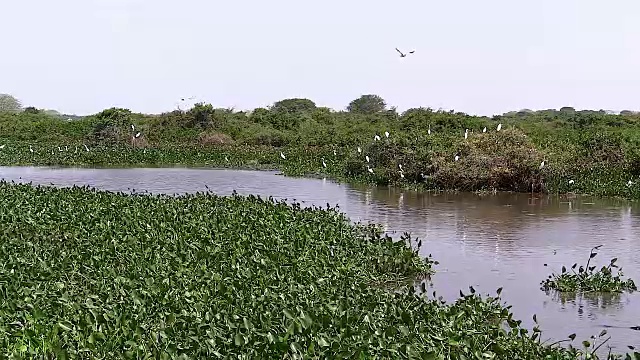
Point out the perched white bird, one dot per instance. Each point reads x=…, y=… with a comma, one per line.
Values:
x=369, y=169
x=571, y=182
x=376, y=137
x=226, y=159
x=138, y=134
x=484, y=130
x=386, y=133
x=367, y=157
x=59, y=149
x=282, y=155
x=30, y=148
x=466, y=133
x=85, y=147
x=629, y=183
x=542, y=164
x=359, y=150
x=400, y=167
x=457, y=158
x=499, y=127
x=324, y=164
x=2, y=146
x=401, y=175
x=335, y=153
x=429, y=131
x=133, y=128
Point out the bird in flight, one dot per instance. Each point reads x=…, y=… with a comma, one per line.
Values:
x=403, y=54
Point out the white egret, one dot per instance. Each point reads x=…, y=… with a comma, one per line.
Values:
x=376, y=138
x=324, y=164
x=541, y=164
x=466, y=133
x=226, y=159
x=2, y=146
x=133, y=128
x=359, y=150
x=367, y=157
x=59, y=149
x=30, y=148
x=629, y=183
x=369, y=169
x=499, y=126
x=484, y=130
x=334, y=153
x=85, y=147
x=138, y=134
x=457, y=158
x=386, y=133
x=571, y=182
x=429, y=131
x=401, y=175
x=282, y=155
x=400, y=167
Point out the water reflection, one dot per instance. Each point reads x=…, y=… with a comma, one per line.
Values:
x=487, y=241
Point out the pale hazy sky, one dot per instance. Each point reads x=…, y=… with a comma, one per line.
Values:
x=480, y=57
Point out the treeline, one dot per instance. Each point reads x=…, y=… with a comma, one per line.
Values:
x=290, y=122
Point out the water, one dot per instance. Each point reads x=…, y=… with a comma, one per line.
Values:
x=488, y=241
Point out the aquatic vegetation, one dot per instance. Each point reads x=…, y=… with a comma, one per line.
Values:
x=587, y=279
x=95, y=274
x=584, y=151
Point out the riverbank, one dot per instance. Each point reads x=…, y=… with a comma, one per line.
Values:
x=203, y=275
x=549, y=152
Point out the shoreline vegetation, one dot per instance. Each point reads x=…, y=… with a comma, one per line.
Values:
x=201, y=275
x=548, y=151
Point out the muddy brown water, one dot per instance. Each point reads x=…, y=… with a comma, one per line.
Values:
x=488, y=241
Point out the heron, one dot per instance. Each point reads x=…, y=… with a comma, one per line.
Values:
x=138, y=134
x=484, y=130
x=466, y=133
x=324, y=164
x=359, y=150
x=367, y=157
x=386, y=133
x=457, y=158
x=376, y=137
x=499, y=126
x=282, y=155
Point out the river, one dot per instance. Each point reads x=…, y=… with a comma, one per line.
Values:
x=489, y=241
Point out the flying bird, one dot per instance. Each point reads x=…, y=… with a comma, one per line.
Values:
x=403, y=54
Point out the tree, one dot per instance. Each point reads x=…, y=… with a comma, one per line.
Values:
x=9, y=103
x=294, y=105
x=31, y=110
x=367, y=104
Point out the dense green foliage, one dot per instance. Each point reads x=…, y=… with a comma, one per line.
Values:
x=587, y=279
x=85, y=274
x=583, y=151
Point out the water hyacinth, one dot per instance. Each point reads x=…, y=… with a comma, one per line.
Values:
x=587, y=279
x=94, y=274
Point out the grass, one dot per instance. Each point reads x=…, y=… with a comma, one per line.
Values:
x=587, y=279
x=95, y=274
x=587, y=152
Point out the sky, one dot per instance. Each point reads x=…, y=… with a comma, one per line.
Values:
x=479, y=57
